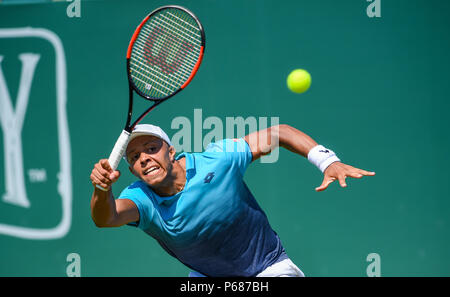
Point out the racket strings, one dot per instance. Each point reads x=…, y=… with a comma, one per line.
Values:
x=185, y=51
x=183, y=32
x=165, y=76
x=147, y=57
x=144, y=69
x=165, y=53
x=167, y=50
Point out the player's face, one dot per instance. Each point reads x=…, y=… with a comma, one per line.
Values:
x=150, y=159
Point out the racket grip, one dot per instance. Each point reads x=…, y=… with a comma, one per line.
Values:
x=117, y=152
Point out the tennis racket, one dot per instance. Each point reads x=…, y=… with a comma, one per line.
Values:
x=163, y=56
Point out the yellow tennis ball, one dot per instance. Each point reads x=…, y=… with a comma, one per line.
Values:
x=299, y=80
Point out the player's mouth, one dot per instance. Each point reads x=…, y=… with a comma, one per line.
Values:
x=154, y=170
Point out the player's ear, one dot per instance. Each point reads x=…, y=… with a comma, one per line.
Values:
x=172, y=153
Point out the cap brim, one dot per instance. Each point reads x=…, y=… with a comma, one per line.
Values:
x=145, y=133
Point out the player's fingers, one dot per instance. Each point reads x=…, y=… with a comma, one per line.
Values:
x=325, y=183
x=114, y=176
x=99, y=167
x=105, y=164
x=342, y=181
x=96, y=181
x=101, y=177
x=355, y=175
x=365, y=172
x=93, y=178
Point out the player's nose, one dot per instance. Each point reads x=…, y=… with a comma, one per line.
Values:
x=144, y=158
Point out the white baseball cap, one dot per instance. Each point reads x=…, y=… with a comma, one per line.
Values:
x=147, y=129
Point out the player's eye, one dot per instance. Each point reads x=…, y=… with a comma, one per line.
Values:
x=150, y=148
x=133, y=158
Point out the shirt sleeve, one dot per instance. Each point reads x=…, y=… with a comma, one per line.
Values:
x=137, y=193
x=237, y=151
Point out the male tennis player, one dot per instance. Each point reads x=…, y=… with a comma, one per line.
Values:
x=198, y=207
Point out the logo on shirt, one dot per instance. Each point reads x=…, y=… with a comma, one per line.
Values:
x=209, y=177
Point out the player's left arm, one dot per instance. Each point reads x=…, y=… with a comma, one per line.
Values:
x=264, y=141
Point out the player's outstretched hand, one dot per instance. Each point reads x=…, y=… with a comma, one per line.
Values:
x=340, y=171
x=103, y=175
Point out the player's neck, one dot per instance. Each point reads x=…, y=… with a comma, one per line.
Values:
x=175, y=182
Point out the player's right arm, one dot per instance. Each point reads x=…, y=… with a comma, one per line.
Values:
x=105, y=210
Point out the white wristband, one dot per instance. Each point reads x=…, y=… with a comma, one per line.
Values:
x=322, y=157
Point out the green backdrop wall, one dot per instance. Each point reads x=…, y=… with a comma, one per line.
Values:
x=379, y=98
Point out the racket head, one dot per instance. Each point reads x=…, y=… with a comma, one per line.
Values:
x=165, y=52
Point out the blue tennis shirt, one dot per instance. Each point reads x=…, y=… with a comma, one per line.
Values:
x=214, y=226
